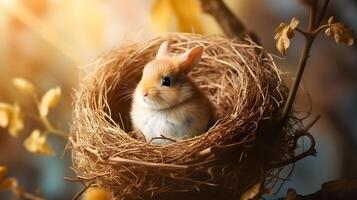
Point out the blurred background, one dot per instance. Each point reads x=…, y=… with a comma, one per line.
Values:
x=49, y=42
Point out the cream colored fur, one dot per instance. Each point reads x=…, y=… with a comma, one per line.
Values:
x=178, y=111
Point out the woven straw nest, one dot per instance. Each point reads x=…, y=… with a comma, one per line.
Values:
x=243, y=83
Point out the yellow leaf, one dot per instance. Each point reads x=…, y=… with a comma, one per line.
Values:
x=49, y=100
x=5, y=106
x=24, y=85
x=184, y=14
x=284, y=32
x=294, y=23
x=188, y=14
x=9, y=183
x=37, y=143
x=16, y=121
x=3, y=172
x=11, y=118
x=162, y=15
x=251, y=193
x=4, y=118
x=339, y=32
x=95, y=193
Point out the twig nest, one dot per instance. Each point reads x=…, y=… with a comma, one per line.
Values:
x=243, y=83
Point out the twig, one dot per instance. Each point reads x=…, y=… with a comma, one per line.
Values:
x=162, y=137
x=311, y=124
x=79, y=194
x=44, y=120
x=140, y=163
x=72, y=179
x=147, y=164
x=318, y=30
x=309, y=152
x=46, y=123
x=299, y=134
x=301, y=31
x=25, y=195
x=52, y=129
x=223, y=148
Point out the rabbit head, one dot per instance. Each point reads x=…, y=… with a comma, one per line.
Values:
x=164, y=82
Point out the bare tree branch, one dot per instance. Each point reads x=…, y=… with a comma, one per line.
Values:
x=231, y=25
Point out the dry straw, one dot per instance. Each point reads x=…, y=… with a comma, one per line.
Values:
x=241, y=80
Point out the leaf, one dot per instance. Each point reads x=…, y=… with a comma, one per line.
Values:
x=251, y=193
x=4, y=117
x=8, y=183
x=162, y=15
x=183, y=14
x=95, y=193
x=3, y=172
x=49, y=100
x=11, y=118
x=284, y=32
x=37, y=143
x=24, y=85
x=339, y=32
x=188, y=14
x=16, y=121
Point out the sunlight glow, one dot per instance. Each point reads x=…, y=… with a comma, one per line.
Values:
x=24, y=15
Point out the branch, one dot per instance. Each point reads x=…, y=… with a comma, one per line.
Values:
x=312, y=16
x=310, y=36
x=293, y=91
x=231, y=25
x=338, y=189
x=323, y=12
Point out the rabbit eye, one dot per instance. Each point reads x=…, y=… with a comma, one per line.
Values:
x=166, y=81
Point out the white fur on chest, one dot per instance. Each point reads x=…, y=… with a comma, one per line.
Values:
x=155, y=123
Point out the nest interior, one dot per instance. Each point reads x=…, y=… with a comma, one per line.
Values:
x=240, y=79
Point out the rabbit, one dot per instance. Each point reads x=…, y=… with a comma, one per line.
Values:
x=166, y=102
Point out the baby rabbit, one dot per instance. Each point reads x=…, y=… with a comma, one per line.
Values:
x=166, y=102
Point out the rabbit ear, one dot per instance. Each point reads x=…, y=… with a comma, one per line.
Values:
x=163, y=50
x=191, y=58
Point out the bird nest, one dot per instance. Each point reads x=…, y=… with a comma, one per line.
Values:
x=244, y=85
